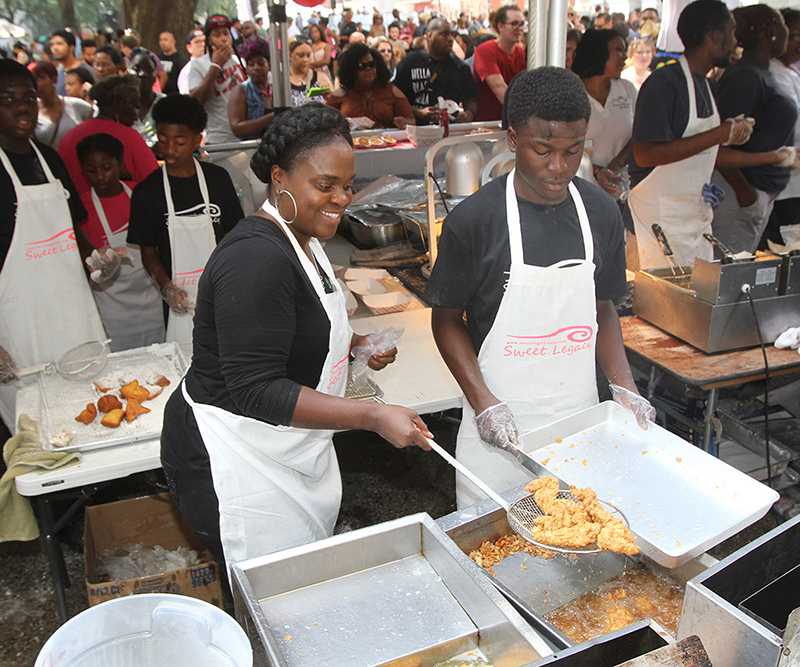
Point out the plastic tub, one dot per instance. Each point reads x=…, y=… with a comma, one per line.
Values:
x=149, y=630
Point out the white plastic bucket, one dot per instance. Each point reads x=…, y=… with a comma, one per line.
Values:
x=148, y=630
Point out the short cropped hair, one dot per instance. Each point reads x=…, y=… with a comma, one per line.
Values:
x=547, y=93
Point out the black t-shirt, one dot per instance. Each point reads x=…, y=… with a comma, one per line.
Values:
x=173, y=64
x=29, y=170
x=148, y=221
x=662, y=110
x=260, y=331
x=748, y=89
x=423, y=80
x=474, y=255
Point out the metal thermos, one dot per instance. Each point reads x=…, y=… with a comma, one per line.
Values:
x=463, y=163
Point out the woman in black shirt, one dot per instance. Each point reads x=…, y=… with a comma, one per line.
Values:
x=247, y=441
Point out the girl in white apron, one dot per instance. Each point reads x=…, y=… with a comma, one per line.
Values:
x=128, y=300
x=275, y=485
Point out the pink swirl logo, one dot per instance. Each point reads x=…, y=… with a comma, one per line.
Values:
x=574, y=334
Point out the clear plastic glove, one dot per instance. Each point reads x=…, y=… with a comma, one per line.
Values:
x=741, y=128
x=103, y=264
x=496, y=427
x=638, y=405
x=8, y=369
x=790, y=158
x=713, y=195
x=609, y=181
x=375, y=350
x=177, y=299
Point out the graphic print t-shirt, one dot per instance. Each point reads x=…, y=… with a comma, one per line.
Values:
x=218, y=129
x=148, y=221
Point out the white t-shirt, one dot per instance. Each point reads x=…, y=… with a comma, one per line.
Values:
x=787, y=81
x=611, y=126
x=183, y=77
x=75, y=112
x=668, y=39
x=219, y=129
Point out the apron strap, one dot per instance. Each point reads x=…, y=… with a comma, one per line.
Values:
x=11, y=173
x=45, y=167
x=310, y=269
x=101, y=214
x=201, y=181
x=515, y=228
x=583, y=218
x=691, y=90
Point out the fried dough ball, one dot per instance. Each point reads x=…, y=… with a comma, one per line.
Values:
x=108, y=403
x=87, y=415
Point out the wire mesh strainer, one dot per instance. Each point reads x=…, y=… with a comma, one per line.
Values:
x=522, y=513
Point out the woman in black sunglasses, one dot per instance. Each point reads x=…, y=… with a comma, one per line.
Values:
x=366, y=91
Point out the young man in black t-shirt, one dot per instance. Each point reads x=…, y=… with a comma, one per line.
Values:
x=180, y=121
x=425, y=76
x=172, y=60
x=534, y=264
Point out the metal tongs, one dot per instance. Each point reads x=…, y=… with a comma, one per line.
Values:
x=725, y=250
x=666, y=248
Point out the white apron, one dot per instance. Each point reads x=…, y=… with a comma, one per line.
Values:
x=538, y=357
x=191, y=241
x=46, y=304
x=672, y=196
x=130, y=306
x=279, y=486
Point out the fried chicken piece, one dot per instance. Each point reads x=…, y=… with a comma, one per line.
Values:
x=570, y=537
x=113, y=419
x=618, y=618
x=154, y=392
x=135, y=390
x=577, y=522
x=87, y=415
x=108, y=403
x=615, y=536
x=134, y=409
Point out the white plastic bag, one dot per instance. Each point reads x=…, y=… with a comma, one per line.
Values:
x=374, y=343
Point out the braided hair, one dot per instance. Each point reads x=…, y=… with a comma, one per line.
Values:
x=295, y=132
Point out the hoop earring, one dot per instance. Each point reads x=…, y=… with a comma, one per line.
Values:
x=294, y=203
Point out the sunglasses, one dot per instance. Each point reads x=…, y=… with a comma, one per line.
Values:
x=367, y=65
x=515, y=24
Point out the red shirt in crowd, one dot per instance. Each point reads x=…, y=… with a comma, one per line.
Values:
x=491, y=59
x=138, y=159
x=117, y=210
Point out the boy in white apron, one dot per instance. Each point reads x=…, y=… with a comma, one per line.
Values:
x=535, y=277
x=46, y=305
x=126, y=296
x=180, y=212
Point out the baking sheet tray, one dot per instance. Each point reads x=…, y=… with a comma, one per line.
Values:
x=398, y=593
x=62, y=400
x=679, y=500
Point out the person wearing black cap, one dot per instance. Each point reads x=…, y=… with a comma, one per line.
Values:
x=213, y=77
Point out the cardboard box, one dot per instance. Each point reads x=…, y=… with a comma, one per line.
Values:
x=148, y=520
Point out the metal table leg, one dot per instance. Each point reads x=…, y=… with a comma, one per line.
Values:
x=52, y=549
x=709, y=443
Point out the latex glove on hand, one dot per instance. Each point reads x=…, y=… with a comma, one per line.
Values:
x=609, y=181
x=176, y=298
x=8, y=369
x=103, y=265
x=713, y=195
x=790, y=157
x=496, y=427
x=638, y=405
x=741, y=129
x=375, y=350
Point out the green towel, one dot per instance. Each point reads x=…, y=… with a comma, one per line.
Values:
x=23, y=453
